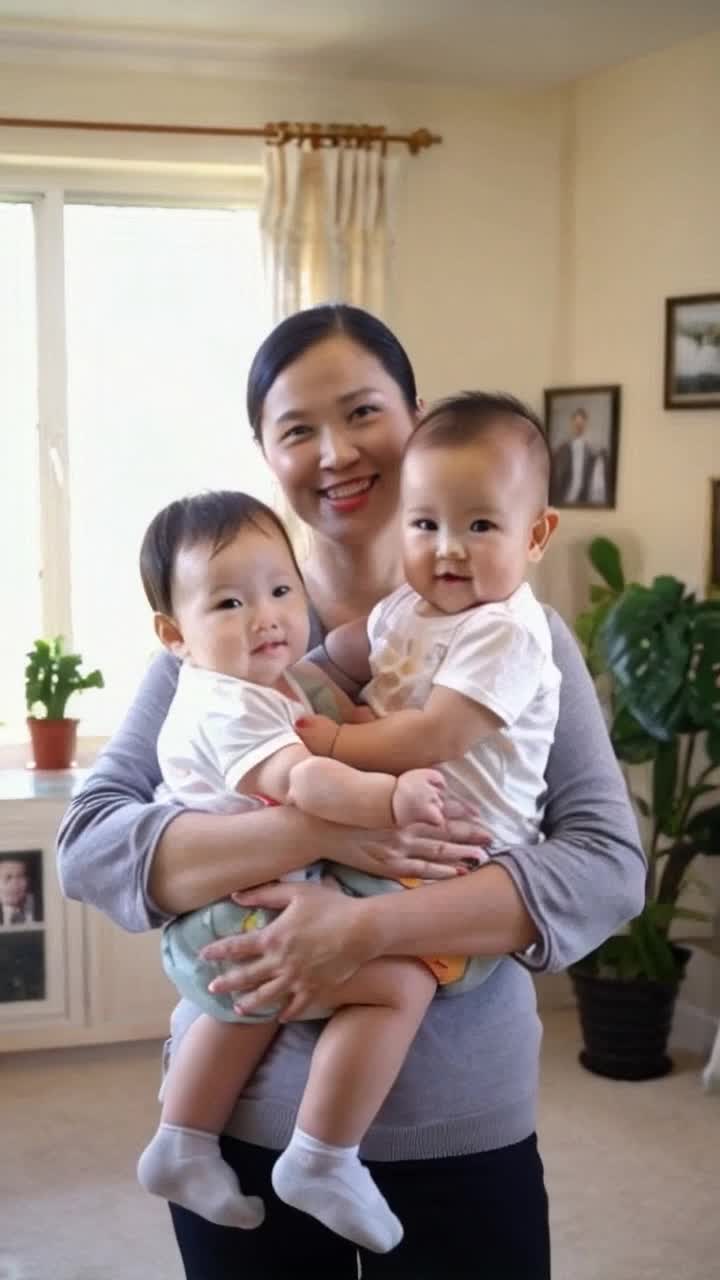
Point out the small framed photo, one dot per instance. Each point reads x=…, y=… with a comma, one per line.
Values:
x=715, y=534
x=583, y=429
x=692, y=352
x=22, y=929
x=21, y=888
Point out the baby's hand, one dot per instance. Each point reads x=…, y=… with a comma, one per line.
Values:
x=419, y=797
x=318, y=733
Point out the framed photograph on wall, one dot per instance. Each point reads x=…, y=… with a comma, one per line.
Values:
x=692, y=352
x=583, y=429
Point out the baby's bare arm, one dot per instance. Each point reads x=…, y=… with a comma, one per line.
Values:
x=338, y=793
x=444, y=729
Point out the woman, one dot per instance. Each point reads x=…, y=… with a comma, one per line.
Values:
x=332, y=401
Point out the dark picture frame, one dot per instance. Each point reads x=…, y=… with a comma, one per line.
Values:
x=692, y=351
x=583, y=431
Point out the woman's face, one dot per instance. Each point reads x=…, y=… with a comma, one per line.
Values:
x=334, y=426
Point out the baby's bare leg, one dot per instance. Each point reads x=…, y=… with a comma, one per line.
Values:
x=353, y=1068
x=183, y=1162
x=213, y=1063
x=362, y=1048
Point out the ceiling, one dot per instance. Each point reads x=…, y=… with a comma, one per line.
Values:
x=515, y=43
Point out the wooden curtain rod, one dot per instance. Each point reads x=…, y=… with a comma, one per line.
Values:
x=275, y=133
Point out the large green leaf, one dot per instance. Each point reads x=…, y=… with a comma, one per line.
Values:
x=646, y=638
x=606, y=561
x=704, y=674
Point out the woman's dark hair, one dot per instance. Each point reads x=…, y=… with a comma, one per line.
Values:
x=295, y=335
x=214, y=517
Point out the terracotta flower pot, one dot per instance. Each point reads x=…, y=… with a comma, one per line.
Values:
x=53, y=742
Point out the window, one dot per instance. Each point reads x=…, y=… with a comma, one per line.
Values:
x=162, y=309
x=19, y=525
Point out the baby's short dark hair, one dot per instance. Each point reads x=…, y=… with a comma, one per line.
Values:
x=214, y=517
x=464, y=418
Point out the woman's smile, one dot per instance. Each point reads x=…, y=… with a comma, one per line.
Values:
x=350, y=495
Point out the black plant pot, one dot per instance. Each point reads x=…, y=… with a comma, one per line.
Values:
x=626, y=1022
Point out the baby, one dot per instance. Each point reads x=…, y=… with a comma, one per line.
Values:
x=459, y=660
x=222, y=579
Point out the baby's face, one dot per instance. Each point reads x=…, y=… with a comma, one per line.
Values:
x=471, y=521
x=13, y=883
x=242, y=610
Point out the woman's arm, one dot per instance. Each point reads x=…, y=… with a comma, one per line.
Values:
x=321, y=939
x=549, y=903
x=140, y=862
x=588, y=877
x=110, y=830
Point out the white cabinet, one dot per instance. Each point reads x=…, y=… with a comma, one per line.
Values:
x=68, y=976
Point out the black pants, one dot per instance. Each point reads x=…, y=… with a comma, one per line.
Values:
x=477, y=1217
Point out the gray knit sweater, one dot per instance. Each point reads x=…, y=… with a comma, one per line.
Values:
x=470, y=1080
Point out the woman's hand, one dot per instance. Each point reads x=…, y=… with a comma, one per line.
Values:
x=317, y=943
x=422, y=850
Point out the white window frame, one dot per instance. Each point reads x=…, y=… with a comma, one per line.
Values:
x=49, y=188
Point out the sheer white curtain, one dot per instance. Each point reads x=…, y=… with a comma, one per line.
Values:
x=328, y=224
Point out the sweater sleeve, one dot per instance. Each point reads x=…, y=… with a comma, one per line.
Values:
x=111, y=829
x=587, y=878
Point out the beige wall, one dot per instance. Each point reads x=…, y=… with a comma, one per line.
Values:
x=644, y=218
x=644, y=212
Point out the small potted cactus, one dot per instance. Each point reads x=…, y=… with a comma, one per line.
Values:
x=51, y=677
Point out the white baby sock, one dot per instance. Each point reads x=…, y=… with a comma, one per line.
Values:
x=333, y=1186
x=186, y=1166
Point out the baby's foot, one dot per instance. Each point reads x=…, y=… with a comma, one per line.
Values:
x=419, y=796
x=186, y=1167
x=337, y=1189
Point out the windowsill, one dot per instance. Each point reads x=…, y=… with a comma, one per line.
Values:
x=18, y=755
x=40, y=784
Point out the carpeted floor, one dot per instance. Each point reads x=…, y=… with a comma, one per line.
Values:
x=633, y=1170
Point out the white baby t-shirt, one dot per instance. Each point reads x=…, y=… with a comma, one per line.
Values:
x=500, y=656
x=217, y=730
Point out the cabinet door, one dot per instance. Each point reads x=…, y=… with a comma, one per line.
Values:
x=41, y=982
x=129, y=996
x=67, y=975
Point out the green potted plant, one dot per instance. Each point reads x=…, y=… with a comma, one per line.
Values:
x=655, y=654
x=51, y=677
